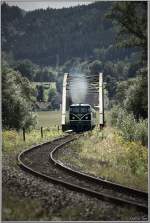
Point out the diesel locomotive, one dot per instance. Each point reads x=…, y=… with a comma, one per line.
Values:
x=82, y=117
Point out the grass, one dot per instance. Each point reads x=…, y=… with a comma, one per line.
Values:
x=106, y=154
x=13, y=140
x=12, y=144
x=49, y=119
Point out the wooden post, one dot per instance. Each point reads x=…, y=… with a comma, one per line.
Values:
x=41, y=132
x=58, y=128
x=24, y=135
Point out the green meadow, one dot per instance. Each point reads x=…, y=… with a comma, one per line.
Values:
x=49, y=119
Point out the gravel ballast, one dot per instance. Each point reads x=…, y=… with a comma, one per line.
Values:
x=51, y=202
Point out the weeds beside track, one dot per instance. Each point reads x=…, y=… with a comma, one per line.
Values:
x=36, y=161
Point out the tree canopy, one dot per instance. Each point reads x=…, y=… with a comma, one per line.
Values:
x=17, y=100
x=132, y=20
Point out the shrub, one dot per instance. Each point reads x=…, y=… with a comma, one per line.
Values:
x=128, y=126
x=114, y=115
x=141, y=132
x=131, y=129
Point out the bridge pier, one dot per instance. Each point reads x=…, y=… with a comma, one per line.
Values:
x=101, y=101
x=64, y=96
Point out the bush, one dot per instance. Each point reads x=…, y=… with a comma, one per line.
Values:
x=114, y=115
x=128, y=127
x=136, y=157
x=131, y=129
x=141, y=132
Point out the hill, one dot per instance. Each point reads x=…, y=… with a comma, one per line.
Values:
x=53, y=36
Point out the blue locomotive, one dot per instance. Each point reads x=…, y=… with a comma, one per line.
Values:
x=82, y=117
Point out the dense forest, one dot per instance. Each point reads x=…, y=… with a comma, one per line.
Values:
x=111, y=37
x=41, y=43
x=52, y=37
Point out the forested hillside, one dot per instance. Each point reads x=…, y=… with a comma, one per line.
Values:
x=41, y=42
x=111, y=37
x=49, y=37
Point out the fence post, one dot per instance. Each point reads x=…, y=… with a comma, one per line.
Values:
x=24, y=135
x=58, y=128
x=41, y=132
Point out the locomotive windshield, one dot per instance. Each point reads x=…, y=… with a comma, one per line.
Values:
x=80, y=109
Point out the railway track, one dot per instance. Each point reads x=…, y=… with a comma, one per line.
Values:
x=40, y=161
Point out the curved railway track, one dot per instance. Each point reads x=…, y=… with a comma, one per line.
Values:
x=40, y=161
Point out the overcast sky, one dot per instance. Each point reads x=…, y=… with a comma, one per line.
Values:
x=35, y=4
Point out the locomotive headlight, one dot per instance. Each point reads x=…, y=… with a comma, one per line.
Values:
x=73, y=117
x=86, y=117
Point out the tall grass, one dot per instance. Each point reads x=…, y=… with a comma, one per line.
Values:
x=13, y=140
x=131, y=129
x=106, y=154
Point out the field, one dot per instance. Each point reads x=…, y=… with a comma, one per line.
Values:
x=105, y=154
x=13, y=140
x=49, y=119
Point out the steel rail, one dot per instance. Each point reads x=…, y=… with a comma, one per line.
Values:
x=67, y=184
x=97, y=179
x=101, y=181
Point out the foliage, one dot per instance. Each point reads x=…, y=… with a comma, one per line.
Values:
x=106, y=154
x=131, y=16
x=45, y=74
x=17, y=100
x=87, y=42
x=56, y=101
x=51, y=93
x=132, y=20
x=141, y=133
x=131, y=129
x=13, y=140
x=40, y=93
x=122, y=89
x=91, y=47
x=87, y=33
x=136, y=155
x=26, y=68
x=95, y=67
x=136, y=100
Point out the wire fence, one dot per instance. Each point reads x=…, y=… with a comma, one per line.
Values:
x=42, y=131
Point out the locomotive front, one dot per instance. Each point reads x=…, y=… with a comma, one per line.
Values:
x=81, y=117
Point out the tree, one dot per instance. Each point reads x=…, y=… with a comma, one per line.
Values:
x=26, y=68
x=51, y=94
x=95, y=67
x=40, y=93
x=132, y=19
x=131, y=16
x=17, y=100
x=45, y=74
x=137, y=96
x=56, y=101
